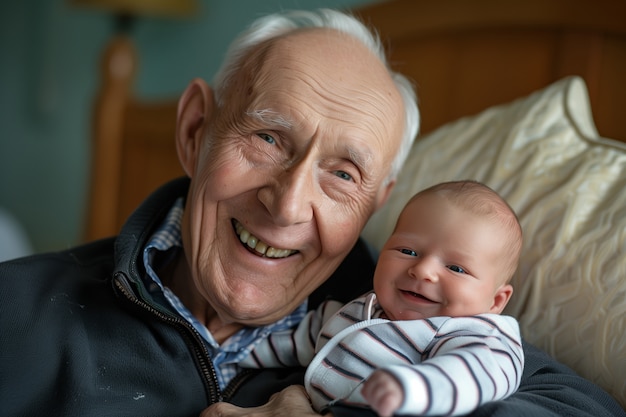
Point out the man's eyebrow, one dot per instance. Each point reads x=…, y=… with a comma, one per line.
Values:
x=360, y=158
x=271, y=118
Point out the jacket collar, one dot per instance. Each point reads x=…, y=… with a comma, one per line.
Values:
x=142, y=223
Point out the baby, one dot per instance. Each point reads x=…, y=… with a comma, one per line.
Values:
x=429, y=340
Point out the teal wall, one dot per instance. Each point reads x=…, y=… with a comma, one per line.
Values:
x=49, y=65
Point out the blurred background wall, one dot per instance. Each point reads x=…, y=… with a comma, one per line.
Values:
x=50, y=55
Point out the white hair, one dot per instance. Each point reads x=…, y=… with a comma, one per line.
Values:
x=279, y=24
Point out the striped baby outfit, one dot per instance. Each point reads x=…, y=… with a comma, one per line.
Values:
x=446, y=365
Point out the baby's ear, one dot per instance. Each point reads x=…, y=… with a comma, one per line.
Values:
x=501, y=298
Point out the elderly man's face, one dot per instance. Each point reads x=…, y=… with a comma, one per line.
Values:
x=292, y=167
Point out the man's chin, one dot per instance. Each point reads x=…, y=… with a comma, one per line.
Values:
x=258, y=319
x=257, y=311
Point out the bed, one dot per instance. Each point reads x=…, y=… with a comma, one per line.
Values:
x=527, y=96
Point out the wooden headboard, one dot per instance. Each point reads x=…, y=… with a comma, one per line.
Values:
x=463, y=56
x=466, y=56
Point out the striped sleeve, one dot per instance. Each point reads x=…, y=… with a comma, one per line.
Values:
x=447, y=366
x=471, y=361
x=292, y=347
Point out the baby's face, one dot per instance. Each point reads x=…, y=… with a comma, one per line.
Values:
x=441, y=261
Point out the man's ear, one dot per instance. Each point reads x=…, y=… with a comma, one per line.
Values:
x=194, y=110
x=501, y=298
x=384, y=193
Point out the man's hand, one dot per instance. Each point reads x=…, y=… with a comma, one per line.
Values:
x=383, y=393
x=290, y=402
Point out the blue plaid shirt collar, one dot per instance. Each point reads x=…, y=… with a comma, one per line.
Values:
x=166, y=240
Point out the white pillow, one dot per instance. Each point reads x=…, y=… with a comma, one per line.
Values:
x=542, y=153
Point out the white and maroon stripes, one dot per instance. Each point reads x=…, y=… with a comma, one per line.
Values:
x=447, y=366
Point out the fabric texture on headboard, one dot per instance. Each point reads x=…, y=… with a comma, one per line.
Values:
x=543, y=155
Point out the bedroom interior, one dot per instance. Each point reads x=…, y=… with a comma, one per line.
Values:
x=119, y=65
x=525, y=95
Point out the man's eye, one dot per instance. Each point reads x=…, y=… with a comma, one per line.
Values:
x=343, y=175
x=267, y=138
x=408, y=252
x=456, y=268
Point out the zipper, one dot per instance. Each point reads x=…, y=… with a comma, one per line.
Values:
x=235, y=383
x=190, y=335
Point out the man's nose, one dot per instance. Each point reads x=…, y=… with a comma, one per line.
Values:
x=291, y=196
x=425, y=268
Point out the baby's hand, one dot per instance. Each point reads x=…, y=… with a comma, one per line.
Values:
x=383, y=393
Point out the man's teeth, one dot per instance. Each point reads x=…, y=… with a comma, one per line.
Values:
x=261, y=247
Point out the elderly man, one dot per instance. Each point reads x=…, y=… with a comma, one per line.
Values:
x=289, y=155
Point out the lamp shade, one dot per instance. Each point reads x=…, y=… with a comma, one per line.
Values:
x=164, y=8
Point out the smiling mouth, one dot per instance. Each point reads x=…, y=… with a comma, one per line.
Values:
x=258, y=247
x=418, y=296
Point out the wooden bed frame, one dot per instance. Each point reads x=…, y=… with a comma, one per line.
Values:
x=464, y=56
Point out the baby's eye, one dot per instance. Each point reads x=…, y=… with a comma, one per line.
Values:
x=456, y=268
x=267, y=138
x=343, y=175
x=408, y=252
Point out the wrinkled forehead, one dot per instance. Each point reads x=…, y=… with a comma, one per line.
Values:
x=329, y=73
x=333, y=53
x=339, y=51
